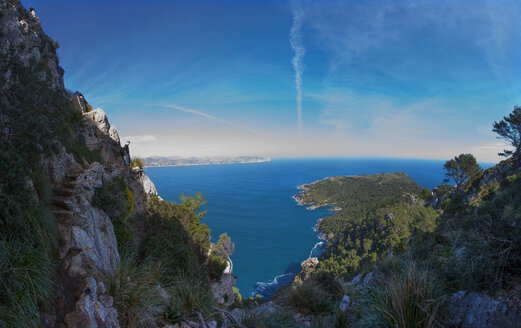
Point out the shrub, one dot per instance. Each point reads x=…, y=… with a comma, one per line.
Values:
x=237, y=297
x=115, y=199
x=136, y=292
x=425, y=194
x=329, y=283
x=307, y=298
x=338, y=319
x=188, y=296
x=36, y=119
x=275, y=319
x=137, y=162
x=411, y=298
x=42, y=185
x=175, y=235
x=216, y=266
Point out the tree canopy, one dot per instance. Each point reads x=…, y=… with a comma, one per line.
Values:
x=461, y=169
x=224, y=247
x=509, y=128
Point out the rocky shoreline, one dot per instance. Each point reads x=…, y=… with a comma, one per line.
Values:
x=299, y=198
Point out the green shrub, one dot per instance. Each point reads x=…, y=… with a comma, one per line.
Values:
x=136, y=292
x=237, y=297
x=306, y=298
x=116, y=199
x=411, y=298
x=37, y=119
x=27, y=247
x=329, y=283
x=425, y=194
x=216, y=266
x=175, y=235
x=189, y=295
x=338, y=319
x=138, y=162
x=42, y=185
x=275, y=319
x=476, y=246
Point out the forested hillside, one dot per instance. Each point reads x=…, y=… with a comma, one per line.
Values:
x=378, y=214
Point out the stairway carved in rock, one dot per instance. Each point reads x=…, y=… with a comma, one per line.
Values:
x=61, y=195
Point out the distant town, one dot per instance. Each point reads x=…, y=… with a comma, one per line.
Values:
x=179, y=161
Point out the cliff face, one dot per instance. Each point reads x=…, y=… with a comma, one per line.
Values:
x=73, y=217
x=23, y=35
x=87, y=247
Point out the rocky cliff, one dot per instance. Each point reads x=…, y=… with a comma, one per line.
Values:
x=76, y=157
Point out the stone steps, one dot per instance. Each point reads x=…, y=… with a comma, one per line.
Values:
x=67, y=192
x=61, y=202
x=61, y=214
x=69, y=185
x=73, y=176
x=61, y=196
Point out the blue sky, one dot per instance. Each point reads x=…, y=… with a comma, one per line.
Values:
x=420, y=79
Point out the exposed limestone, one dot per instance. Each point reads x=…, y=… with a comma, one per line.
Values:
x=90, y=233
x=365, y=279
x=87, y=250
x=58, y=165
x=307, y=268
x=345, y=303
x=98, y=134
x=469, y=309
x=22, y=35
x=94, y=309
x=222, y=289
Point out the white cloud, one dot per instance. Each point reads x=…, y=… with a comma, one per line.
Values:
x=295, y=41
x=139, y=139
x=199, y=113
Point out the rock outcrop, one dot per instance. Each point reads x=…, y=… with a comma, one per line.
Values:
x=469, y=309
x=97, y=133
x=307, y=268
x=222, y=289
x=23, y=37
x=87, y=249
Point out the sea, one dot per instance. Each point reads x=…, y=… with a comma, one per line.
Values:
x=254, y=204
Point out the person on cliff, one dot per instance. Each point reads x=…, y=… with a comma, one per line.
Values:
x=126, y=153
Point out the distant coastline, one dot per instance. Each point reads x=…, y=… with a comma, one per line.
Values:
x=160, y=161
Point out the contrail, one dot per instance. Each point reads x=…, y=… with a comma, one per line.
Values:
x=295, y=40
x=196, y=112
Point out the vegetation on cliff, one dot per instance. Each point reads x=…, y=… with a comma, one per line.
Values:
x=378, y=215
x=35, y=121
x=165, y=278
x=40, y=125
x=471, y=243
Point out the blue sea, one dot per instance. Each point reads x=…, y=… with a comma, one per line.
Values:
x=253, y=203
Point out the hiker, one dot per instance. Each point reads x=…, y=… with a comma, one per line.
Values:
x=126, y=153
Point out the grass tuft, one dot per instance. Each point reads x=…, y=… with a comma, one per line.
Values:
x=411, y=298
x=307, y=298
x=188, y=296
x=136, y=292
